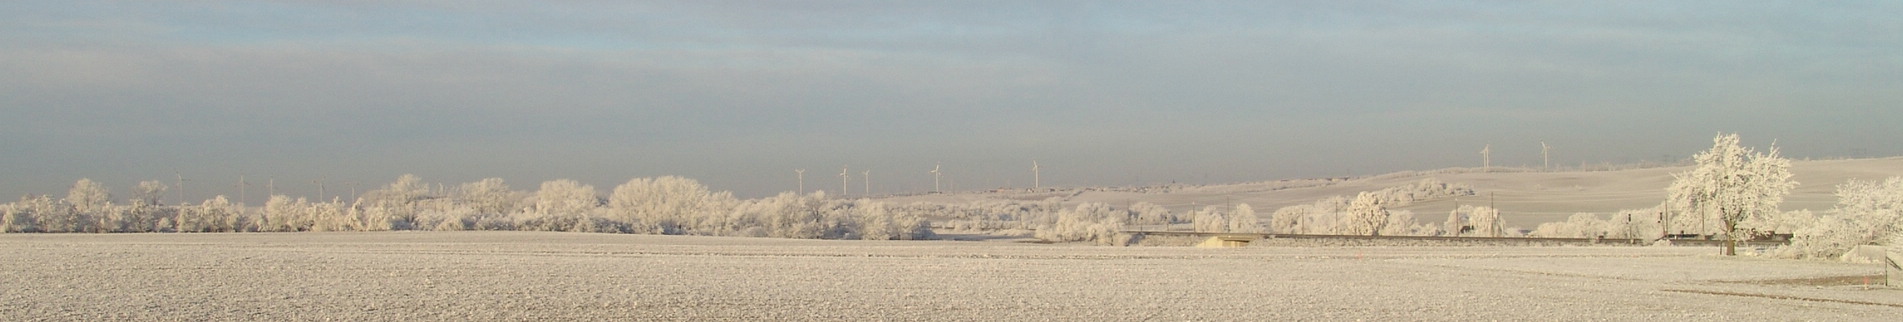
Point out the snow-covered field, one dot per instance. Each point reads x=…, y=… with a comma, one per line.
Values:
x=1525, y=198
x=538, y=276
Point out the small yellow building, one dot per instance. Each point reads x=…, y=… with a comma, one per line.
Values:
x=1228, y=240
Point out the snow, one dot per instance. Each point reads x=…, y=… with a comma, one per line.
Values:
x=1525, y=198
x=540, y=275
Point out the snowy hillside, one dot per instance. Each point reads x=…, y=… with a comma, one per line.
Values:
x=1525, y=198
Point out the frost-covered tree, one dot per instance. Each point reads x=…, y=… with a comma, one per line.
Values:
x=1366, y=215
x=87, y=196
x=394, y=206
x=12, y=218
x=561, y=204
x=668, y=205
x=1151, y=214
x=1401, y=223
x=38, y=214
x=333, y=216
x=53, y=215
x=281, y=213
x=1095, y=222
x=149, y=192
x=877, y=222
x=1210, y=220
x=1867, y=213
x=791, y=215
x=1244, y=220
x=1579, y=225
x=1288, y=220
x=1877, y=207
x=1635, y=224
x=214, y=215
x=1732, y=184
x=487, y=196
x=1455, y=224
x=1486, y=222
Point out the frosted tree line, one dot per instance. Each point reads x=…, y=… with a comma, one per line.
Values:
x=680, y=206
x=664, y=205
x=1368, y=213
x=1733, y=193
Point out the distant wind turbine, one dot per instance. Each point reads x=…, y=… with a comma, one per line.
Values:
x=844, y=176
x=1037, y=178
x=241, y=185
x=181, y=187
x=867, y=175
x=802, y=175
x=935, y=174
x=1546, y=155
x=1486, y=158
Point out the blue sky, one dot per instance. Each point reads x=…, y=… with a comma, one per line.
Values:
x=738, y=94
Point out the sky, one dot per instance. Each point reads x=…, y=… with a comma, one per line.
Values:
x=739, y=94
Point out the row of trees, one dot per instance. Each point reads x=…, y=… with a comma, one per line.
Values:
x=1734, y=191
x=665, y=205
x=1368, y=213
x=673, y=205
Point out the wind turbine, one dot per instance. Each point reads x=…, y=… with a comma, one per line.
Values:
x=868, y=176
x=1486, y=158
x=241, y=185
x=1546, y=156
x=844, y=176
x=1037, y=178
x=320, y=188
x=181, y=187
x=935, y=174
x=802, y=175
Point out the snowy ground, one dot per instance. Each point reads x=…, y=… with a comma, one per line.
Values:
x=537, y=276
x=1526, y=199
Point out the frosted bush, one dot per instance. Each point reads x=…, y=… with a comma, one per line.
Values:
x=1401, y=223
x=1152, y=214
x=667, y=205
x=1210, y=220
x=1092, y=222
x=1244, y=220
x=1867, y=213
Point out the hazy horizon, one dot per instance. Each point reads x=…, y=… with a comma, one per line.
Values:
x=738, y=95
